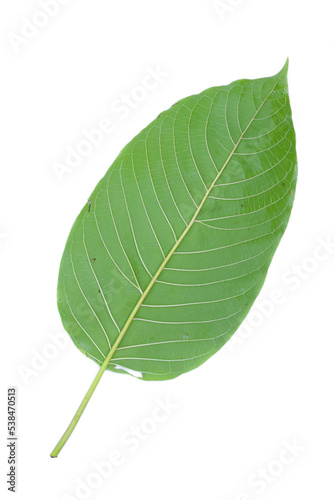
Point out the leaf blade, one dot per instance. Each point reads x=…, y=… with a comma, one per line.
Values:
x=165, y=178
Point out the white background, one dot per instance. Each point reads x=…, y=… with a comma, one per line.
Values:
x=237, y=411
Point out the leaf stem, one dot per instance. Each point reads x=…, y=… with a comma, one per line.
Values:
x=78, y=414
x=59, y=446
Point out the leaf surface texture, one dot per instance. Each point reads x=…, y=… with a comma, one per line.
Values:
x=174, y=247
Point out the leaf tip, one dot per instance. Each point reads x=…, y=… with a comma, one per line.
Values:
x=282, y=75
x=284, y=70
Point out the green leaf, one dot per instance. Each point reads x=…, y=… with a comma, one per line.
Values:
x=181, y=230
x=164, y=262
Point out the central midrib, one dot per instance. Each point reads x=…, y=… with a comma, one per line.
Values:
x=170, y=254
